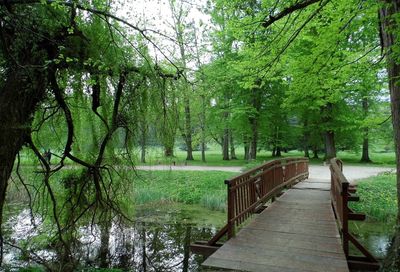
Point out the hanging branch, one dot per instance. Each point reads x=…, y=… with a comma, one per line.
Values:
x=294, y=36
x=51, y=193
x=286, y=11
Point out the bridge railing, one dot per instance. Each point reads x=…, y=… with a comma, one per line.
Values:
x=341, y=194
x=248, y=192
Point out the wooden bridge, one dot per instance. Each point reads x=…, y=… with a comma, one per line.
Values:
x=301, y=224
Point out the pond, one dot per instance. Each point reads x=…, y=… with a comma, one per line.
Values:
x=375, y=236
x=158, y=240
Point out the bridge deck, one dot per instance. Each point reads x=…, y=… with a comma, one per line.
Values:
x=297, y=232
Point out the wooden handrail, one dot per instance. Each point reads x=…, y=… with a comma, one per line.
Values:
x=249, y=191
x=340, y=196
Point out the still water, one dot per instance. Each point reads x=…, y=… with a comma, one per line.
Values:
x=158, y=240
x=375, y=236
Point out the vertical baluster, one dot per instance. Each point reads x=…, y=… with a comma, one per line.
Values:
x=241, y=199
x=231, y=203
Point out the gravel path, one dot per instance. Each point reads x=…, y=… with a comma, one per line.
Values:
x=352, y=173
x=189, y=168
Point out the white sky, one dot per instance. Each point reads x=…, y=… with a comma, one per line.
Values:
x=156, y=15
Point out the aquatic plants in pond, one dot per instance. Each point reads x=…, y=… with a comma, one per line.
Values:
x=379, y=202
x=191, y=187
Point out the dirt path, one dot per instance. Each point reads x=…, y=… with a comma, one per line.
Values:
x=352, y=173
x=189, y=168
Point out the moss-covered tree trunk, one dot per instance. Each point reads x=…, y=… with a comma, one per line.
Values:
x=21, y=92
x=389, y=26
x=232, y=146
x=330, y=149
x=365, y=148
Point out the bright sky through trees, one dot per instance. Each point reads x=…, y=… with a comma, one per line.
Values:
x=156, y=17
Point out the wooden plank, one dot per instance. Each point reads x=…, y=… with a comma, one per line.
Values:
x=313, y=185
x=203, y=249
x=297, y=232
x=274, y=258
x=277, y=243
x=232, y=265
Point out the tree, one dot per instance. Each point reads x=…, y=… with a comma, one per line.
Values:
x=344, y=22
x=179, y=13
x=44, y=45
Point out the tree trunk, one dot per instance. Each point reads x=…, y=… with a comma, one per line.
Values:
x=203, y=129
x=306, y=152
x=330, y=149
x=225, y=136
x=168, y=151
x=253, y=148
x=179, y=28
x=104, y=243
x=278, y=152
x=225, y=145
x=246, y=148
x=232, y=145
x=254, y=138
x=19, y=97
x=143, y=142
x=256, y=104
x=306, y=136
x=186, y=249
x=188, y=131
x=144, y=254
x=315, y=152
x=365, y=149
x=389, y=27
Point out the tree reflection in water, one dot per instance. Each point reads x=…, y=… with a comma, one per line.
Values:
x=154, y=247
x=136, y=246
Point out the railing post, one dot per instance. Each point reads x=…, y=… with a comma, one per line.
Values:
x=345, y=219
x=230, y=212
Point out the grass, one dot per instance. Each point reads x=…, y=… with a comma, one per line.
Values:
x=378, y=198
x=378, y=158
x=155, y=156
x=206, y=188
x=190, y=187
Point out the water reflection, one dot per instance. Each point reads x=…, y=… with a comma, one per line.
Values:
x=375, y=236
x=139, y=246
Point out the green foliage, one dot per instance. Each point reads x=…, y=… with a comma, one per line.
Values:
x=378, y=198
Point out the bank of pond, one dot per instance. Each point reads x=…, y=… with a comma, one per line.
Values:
x=168, y=216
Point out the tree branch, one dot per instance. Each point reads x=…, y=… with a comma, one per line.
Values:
x=273, y=18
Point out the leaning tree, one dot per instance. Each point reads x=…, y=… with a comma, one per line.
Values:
x=48, y=51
